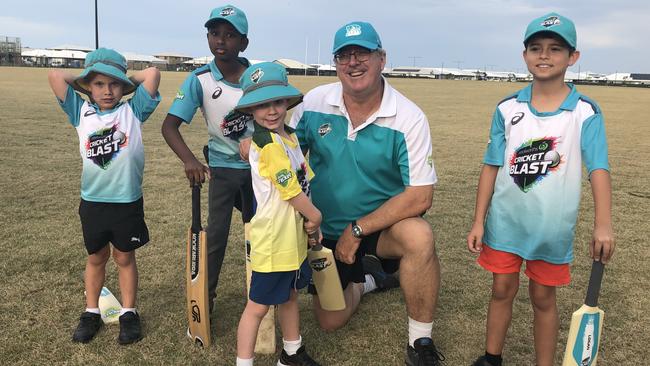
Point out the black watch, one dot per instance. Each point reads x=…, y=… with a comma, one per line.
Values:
x=357, y=231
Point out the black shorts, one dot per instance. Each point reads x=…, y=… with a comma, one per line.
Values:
x=119, y=223
x=354, y=272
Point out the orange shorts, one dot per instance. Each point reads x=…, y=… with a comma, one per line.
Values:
x=545, y=273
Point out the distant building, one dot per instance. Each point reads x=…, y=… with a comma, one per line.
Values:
x=174, y=60
x=10, y=50
x=294, y=67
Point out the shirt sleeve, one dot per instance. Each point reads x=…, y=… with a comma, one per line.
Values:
x=72, y=105
x=593, y=143
x=143, y=104
x=188, y=98
x=415, y=157
x=496, y=148
x=274, y=165
x=298, y=123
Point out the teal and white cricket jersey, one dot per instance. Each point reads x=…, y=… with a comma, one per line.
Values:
x=357, y=170
x=110, y=144
x=534, y=207
x=206, y=88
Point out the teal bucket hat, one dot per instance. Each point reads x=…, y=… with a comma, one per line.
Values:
x=266, y=82
x=554, y=23
x=107, y=62
x=356, y=33
x=230, y=14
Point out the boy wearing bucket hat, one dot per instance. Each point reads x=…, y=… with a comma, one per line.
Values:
x=110, y=144
x=214, y=88
x=540, y=137
x=284, y=211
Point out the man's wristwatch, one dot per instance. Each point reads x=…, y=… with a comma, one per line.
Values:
x=357, y=231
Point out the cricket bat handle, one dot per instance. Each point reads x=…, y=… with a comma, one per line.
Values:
x=595, y=279
x=196, y=208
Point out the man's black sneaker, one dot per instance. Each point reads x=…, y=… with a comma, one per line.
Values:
x=89, y=324
x=423, y=354
x=301, y=358
x=383, y=280
x=130, y=330
x=481, y=361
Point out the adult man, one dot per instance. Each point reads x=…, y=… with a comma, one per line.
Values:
x=370, y=149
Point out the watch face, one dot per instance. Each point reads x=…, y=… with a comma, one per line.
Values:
x=356, y=231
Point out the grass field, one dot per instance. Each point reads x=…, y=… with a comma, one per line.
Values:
x=41, y=295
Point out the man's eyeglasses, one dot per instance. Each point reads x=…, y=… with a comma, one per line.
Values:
x=344, y=58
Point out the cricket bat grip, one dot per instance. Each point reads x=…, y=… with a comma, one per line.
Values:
x=313, y=238
x=597, y=269
x=196, y=208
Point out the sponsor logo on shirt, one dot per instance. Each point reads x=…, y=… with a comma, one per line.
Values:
x=516, y=118
x=104, y=145
x=89, y=112
x=324, y=129
x=180, y=95
x=283, y=177
x=533, y=161
x=234, y=124
x=217, y=93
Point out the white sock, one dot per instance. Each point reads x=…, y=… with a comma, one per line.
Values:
x=245, y=361
x=370, y=284
x=126, y=310
x=93, y=310
x=291, y=347
x=419, y=330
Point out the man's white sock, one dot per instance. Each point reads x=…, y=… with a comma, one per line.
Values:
x=291, y=347
x=370, y=284
x=419, y=330
x=245, y=361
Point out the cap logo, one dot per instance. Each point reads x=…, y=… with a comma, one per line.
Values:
x=551, y=21
x=257, y=75
x=227, y=11
x=352, y=30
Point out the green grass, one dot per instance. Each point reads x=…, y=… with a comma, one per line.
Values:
x=42, y=253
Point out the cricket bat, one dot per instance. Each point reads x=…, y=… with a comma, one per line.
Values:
x=265, y=342
x=109, y=305
x=198, y=315
x=325, y=276
x=586, y=325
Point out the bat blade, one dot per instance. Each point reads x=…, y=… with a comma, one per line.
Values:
x=326, y=278
x=586, y=325
x=198, y=315
x=109, y=306
x=265, y=343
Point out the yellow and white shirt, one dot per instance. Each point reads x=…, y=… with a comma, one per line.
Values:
x=279, y=172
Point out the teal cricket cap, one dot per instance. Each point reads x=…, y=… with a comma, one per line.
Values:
x=266, y=82
x=356, y=33
x=107, y=62
x=554, y=23
x=230, y=14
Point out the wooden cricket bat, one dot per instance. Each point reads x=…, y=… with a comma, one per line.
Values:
x=198, y=314
x=325, y=276
x=266, y=334
x=586, y=325
x=109, y=306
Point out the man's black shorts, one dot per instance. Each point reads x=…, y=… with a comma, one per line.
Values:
x=119, y=223
x=354, y=272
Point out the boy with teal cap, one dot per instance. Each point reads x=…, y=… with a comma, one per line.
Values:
x=284, y=212
x=529, y=188
x=110, y=144
x=214, y=88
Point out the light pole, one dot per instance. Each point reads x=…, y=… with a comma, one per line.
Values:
x=96, y=28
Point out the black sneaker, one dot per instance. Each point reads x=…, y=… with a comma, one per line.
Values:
x=89, y=324
x=423, y=354
x=383, y=280
x=301, y=358
x=130, y=330
x=481, y=361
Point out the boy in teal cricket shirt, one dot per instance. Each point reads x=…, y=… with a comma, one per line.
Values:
x=111, y=208
x=214, y=88
x=529, y=188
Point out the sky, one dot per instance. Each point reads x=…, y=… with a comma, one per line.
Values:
x=472, y=34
